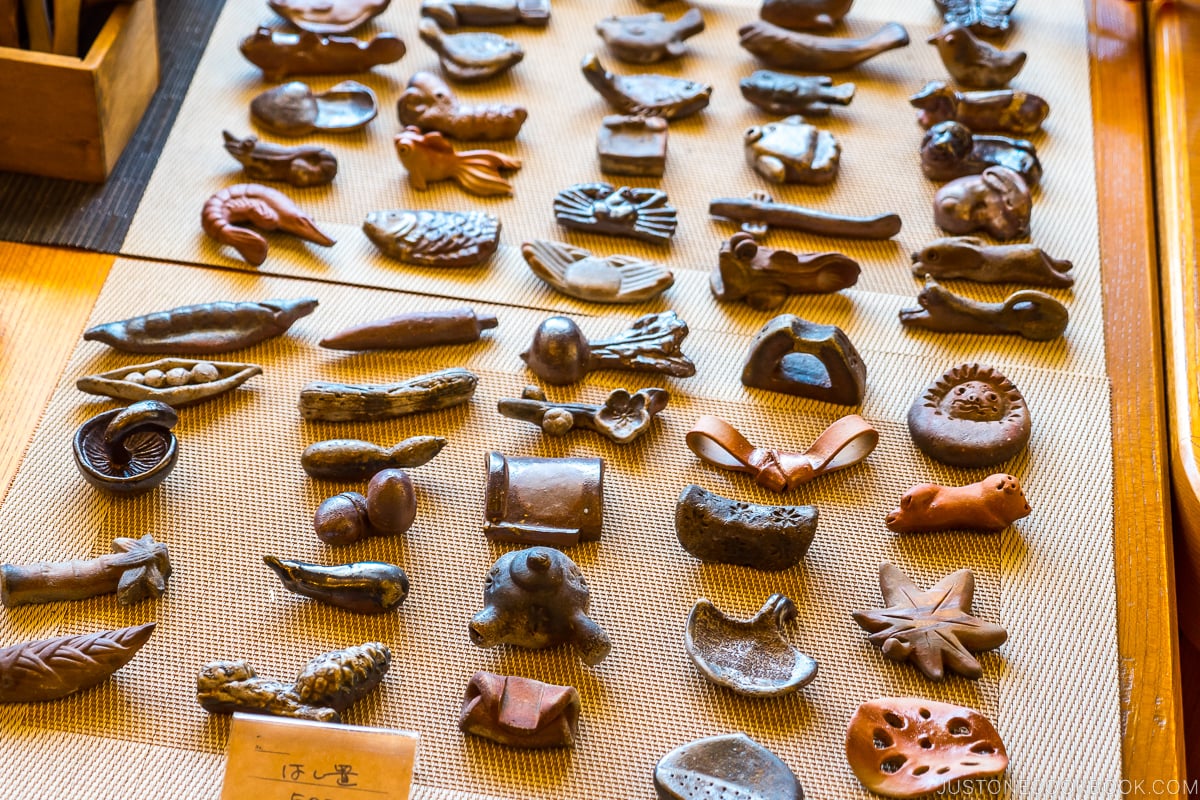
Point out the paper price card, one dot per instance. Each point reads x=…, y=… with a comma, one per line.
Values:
x=274, y=758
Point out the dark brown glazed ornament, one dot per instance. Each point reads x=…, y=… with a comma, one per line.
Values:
x=538, y=598
x=843, y=444
x=934, y=629
x=973, y=63
x=328, y=16
x=643, y=214
x=974, y=259
x=356, y=460
x=999, y=111
x=429, y=104
x=909, y=747
x=781, y=93
x=992, y=504
x=304, y=165
x=610, y=279
x=633, y=146
x=730, y=767
x=805, y=15
x=950, y=150
x=364, y=587
x=294, y=110
x=649, y=94
x=434, y=238
x=204, y=328
x=758, y=213
x=985, y=17
x=806, y=52
x=520, y=712
x=996, y=201
x=470, y=57
x=324, y=689
x=749, y=656
x=972, y=416
x=623, y=417
x=556, y=502
x=429, y=158
x=227, y=216
x=413, y=331
x=718, y=530
x=136, y=570
x=486, y=13
x=388, y=510
x=795, y=356
x=280, y=54
x=763, y=278
x=1029, y=313
x=560, y=354
x=792, y=151
x=178, y=382
x=342, y=402
x=33, y=672
x=649, y=38
x=128, y=450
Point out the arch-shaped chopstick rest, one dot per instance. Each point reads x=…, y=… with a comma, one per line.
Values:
x=843, y=444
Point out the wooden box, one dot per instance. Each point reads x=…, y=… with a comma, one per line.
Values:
x=66, y=117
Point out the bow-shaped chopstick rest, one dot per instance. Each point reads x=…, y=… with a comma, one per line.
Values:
x=843, y=444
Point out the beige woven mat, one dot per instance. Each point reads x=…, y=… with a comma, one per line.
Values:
x=880, y=166
x=239, y=492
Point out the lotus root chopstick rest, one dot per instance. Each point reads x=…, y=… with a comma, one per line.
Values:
x=204, y=328
x=749, y=656
x=780, y=93
x=324, y=689
x=795, y=356
x=520, y=712
x=33, y=672
x=227, y=215
x=429, y=158
x=293, y=109
x=429, y=104
x=128, y=450
x=763, y=277
x=730, y=767
x=136, y=570
x=972, y=416
x=623, y=417
x=328, y=16
x=303, y=165
x=560, y=354
x=434, y=238
x=599, y=279
x=801, y=15
x=1029, y=313
x=178, y=382
x=342, y=402
x=364, y=587
x=950, y=150
x=485, y=13
x=538, y=598
x=556, y=502
x=843, y=444
x=974, y=63
x=758, y=213
x=792, y=151
x=807, y=52
x=356, y=460
x=996, y=201
x=909, y=747
x=1000, y=111
x=985, y=17
x=934, y=629
x=648, y=94
x=718, y=530
x=643, y=214
x=388, y=510
x=992, y=504
x=648, y=38
x=414, y=331
x=470, y=57
x=973, y=259
x=279, y=54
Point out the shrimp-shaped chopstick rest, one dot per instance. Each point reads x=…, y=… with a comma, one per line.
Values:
x=229, y=211
x=428, y=157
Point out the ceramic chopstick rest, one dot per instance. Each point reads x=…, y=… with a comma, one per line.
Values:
x=389, y=508
x=973, y=259
x=599, y=279
x=356, y=460
x=363, y=587
x=1000, y=111
x=730, y=767
x=909, y=747
x=302, y=165
x=996, y=201
x=557, y=502
x=649, y=38
x=328, y=16
x=780, y=93
x=560, y=354
x=643, y=214
x=985, y=17
x=414, y=331
x=758, y=213
x=228, y=215
x=632, y=145
x=324, y=689
x=429, y=104
x=293, y=109
x=434, y=238
x=802, y=15
x=763, y=277
x=749, y=656
x=623, y=417
x=429, y=158
x=992, y=504
x=341, y=402
x=34, y=672
x=485, y=13
x=973, y=63
x=933, y=629
x=136, y=570
x=204, y=328
x=950, y=150
x=806, y=52
x=129, y=450
x=718, y=530
x=178, y=382
x=1029, y=313
x=538, y=598
x=647, y=94
x=792, y=151
x=972, y=416
x=279, y=54
x=843, y=444
x=520, y=712
x=795, y=356
x=470, y=57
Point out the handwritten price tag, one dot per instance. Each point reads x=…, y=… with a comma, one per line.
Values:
x=274, y=758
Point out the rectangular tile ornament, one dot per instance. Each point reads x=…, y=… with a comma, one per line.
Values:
x=273, y=758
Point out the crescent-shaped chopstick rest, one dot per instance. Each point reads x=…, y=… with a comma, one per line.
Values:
x=843, y=444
